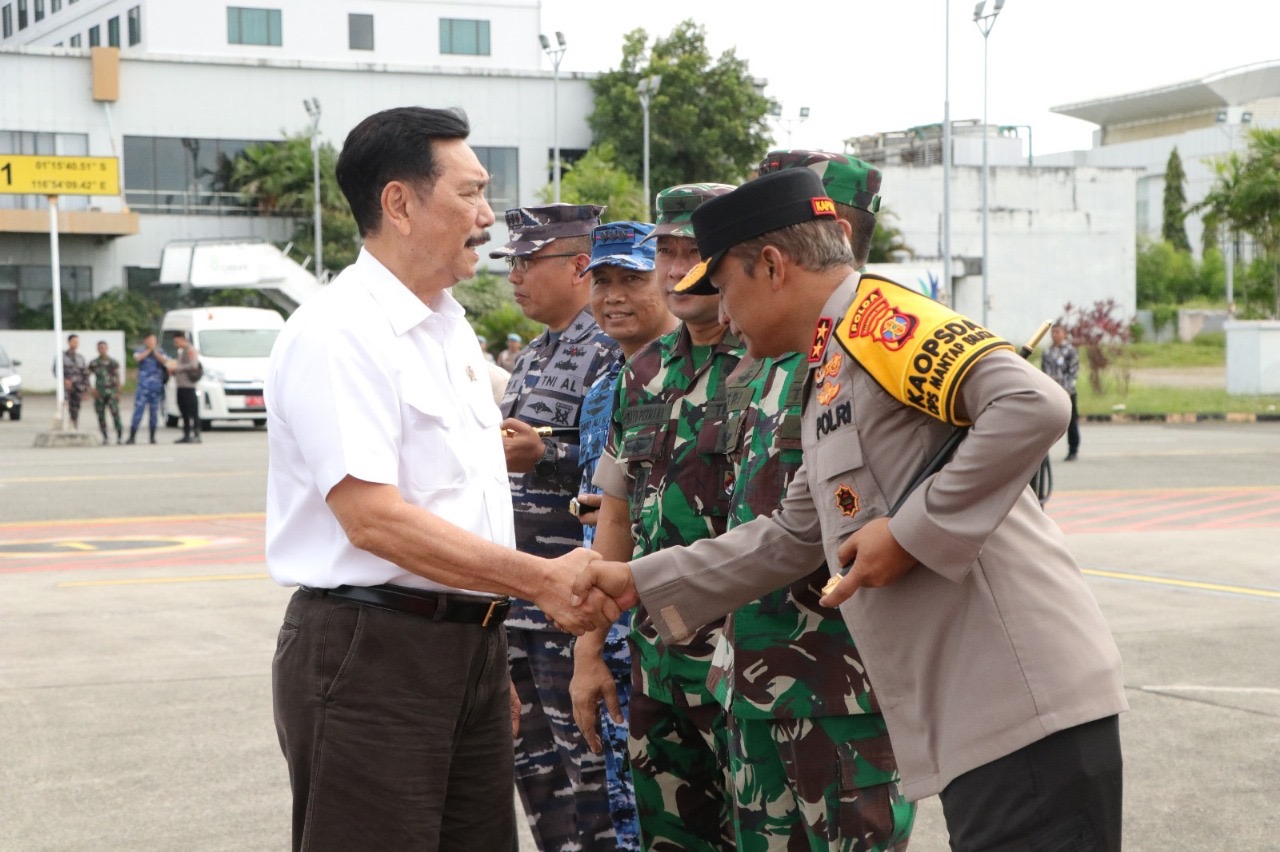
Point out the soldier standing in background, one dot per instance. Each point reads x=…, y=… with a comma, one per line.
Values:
x=666, y=480
x=629, y=302
x=1061, y=363
x=106, y=391
x=75, y=378
x=561, y=783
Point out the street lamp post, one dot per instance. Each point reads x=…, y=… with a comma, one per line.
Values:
x=946, y=154
x=788, y=123
x=647, y=88
x=313, y=110
x=556, y=54
x=985, y=19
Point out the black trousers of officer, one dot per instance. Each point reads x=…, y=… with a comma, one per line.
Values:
x=189, y=408
x=1060, y=794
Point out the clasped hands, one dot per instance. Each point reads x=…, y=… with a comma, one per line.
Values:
x=580, y=591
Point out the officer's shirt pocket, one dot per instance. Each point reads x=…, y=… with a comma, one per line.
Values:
x=842, y=484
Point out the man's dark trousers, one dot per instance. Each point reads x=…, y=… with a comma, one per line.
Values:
x=396, y=729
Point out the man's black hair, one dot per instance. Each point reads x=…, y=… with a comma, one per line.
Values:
x=395, y=144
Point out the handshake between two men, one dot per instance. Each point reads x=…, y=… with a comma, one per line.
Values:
x=603, y=589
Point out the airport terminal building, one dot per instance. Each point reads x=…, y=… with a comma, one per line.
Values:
x=198, y=82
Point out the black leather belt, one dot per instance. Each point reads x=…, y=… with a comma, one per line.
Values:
x=437, y=606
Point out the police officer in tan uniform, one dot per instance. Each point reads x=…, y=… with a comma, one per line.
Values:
x=996, y=671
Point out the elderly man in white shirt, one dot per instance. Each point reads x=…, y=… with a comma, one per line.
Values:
x=388, y=505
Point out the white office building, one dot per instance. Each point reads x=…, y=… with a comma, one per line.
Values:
x=199, y=81
x=1205, y=119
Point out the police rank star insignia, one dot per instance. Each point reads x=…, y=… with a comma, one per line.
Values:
x=821, y=334
x=847, y=500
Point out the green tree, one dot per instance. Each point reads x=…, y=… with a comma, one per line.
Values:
x=887, y=242
x=708, y=121
x=596, y=178
x=491, y=310
x=276, y=177
x=1174, y=229
x=1246, y=198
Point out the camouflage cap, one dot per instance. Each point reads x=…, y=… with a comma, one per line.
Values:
x=622, y=244
x=531, y=228
x=675, y=206
x=767, y=203
x=846, y=179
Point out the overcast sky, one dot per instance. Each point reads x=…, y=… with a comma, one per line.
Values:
x=864, y=67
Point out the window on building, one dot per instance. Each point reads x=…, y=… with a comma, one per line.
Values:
x=253, y=26
x=33, y=285
x=470, y=38
x=135, y=25
x=184, y=175
x=360, y=32
x=39, y=10
x=74, y=41
x=22, y=14
x=55, y=6
x=6, y=16
x=113, y=32
x=503, y=166
x=95, y=36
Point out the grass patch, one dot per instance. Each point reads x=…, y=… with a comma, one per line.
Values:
x=1207, y=350
x=1146, y=399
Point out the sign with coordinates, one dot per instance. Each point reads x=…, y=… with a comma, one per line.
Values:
x=25, y=174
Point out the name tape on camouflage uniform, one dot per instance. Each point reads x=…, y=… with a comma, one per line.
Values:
x=917, y=349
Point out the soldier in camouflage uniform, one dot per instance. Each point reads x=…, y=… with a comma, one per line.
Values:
x=666, y=480
x=629, y=303
x=106, y=391
x=75, y=378
x=561, y=783
x=787, y=669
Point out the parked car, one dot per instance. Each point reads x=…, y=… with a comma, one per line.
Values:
x=10, y=386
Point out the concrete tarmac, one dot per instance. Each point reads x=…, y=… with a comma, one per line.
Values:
x=137, y=626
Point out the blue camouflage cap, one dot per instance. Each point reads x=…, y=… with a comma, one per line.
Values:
x=623, y=244
x=531, y=228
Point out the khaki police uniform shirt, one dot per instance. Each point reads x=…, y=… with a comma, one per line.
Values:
x=994, y=640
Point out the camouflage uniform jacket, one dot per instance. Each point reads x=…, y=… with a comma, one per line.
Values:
x=106, y=375
x=783, y=655
x=551, y=377
x=679, y=478
x=75, y=370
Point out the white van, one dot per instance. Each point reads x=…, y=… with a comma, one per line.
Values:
x=234, y=345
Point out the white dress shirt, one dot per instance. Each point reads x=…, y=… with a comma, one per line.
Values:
x=367, y=381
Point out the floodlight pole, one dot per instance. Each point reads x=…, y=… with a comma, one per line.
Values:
x=313, y=110
x=985, y=21
x=647, y=88
x=556, y=54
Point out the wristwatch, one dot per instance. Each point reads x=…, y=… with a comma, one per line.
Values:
x=549, y=464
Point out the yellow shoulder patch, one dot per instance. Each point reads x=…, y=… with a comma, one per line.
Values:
x=917, y=349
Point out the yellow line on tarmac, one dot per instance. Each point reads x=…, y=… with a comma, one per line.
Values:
x=140, y=519
x=99, y=477
x=1185, y=584
x=141, y=581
